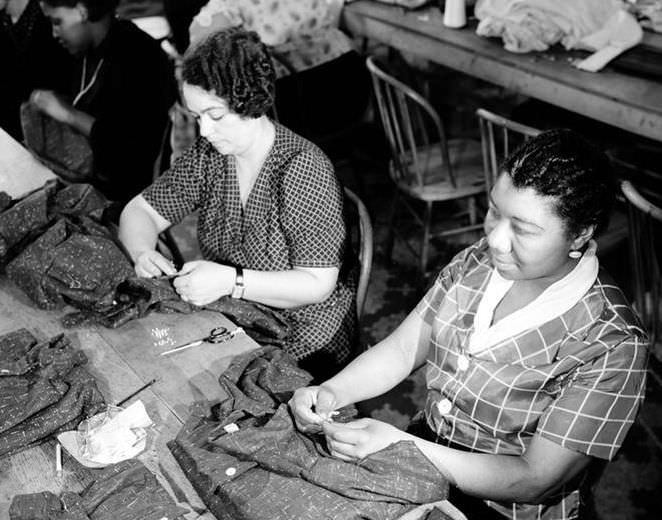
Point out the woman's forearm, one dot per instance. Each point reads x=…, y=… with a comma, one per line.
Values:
x=383, y=366
x=529, y=478
x=289, y=289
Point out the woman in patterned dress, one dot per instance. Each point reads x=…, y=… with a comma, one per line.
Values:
x=270, y=208
x=536, y=364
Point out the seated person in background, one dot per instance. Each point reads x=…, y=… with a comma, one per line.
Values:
x=322, y=82
x=536, y=364
x=30, y=58
x=124, y=87
x=270, y=223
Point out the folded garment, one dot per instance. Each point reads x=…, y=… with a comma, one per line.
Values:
x=124, y=491
x=76, y=261
x=44, y=389
x=23, y=220
x=247, y=460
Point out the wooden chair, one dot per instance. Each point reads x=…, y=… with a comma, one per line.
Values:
x=361, y=236
x=425, y=166
x=645, y=228
x=499, y=137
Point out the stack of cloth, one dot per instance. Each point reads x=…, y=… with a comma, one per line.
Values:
x=57, y=246
x=44, y=389
x=247, y=460
x=124, y=491
x=536, y=25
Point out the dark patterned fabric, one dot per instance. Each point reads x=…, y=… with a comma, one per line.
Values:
x=136, y=297
x=75, y=261
x=59, y=146
x=293, y=217
x=267, y=469
x=123, y=491
x=44, y=388
x=577, y=380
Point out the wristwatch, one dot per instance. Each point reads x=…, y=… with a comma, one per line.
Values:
x=238, y=289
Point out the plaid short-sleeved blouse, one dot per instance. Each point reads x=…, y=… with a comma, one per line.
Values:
x=293, y=217
x=577, y=380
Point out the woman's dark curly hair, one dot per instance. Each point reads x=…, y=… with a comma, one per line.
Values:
x=96, y=9
x=236, y=66
x=564, y=165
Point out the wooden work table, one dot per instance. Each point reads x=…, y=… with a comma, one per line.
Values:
x=122, y=360
x=625, y=101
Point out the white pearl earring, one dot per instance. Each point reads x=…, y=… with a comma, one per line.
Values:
x=575, y=254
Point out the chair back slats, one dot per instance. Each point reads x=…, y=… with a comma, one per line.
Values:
x=499, y=137
x=411, y=126
x=645, y=226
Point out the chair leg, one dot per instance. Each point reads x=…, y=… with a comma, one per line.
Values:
x=473, y=215
x=425, y=241
x=390, y=238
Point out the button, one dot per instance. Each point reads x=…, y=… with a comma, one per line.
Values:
x=231, y=428
x=462, y=363
x=444, y=406
x=230, y=471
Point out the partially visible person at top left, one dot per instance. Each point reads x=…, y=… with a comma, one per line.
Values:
x=30, y=58
x=123, y=87
x=270, y=222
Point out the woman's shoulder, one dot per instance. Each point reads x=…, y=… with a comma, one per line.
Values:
x=291, y=148
x=609, y=312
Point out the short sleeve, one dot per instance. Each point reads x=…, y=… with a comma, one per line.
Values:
x=595, y=410
x=312, y=213
x=177, y=192
x=215, y=16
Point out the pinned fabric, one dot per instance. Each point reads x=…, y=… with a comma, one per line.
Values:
x=267, y=469
x=125, y=491
x=44, y=388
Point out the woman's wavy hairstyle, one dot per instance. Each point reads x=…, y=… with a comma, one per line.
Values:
x=96, y=9
x=235, y=65
x=562, y=164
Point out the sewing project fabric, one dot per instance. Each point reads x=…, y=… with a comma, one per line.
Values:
x=124, y=491
x=248, y=461
x=44, y=389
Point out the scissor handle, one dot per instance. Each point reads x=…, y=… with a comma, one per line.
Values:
x=217, y=335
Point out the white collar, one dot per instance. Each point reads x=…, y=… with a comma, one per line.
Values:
x=557, y=299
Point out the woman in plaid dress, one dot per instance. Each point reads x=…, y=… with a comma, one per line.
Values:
x=270, y=208
x=536, y=364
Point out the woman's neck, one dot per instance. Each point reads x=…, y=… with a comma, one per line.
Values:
x=262, y=140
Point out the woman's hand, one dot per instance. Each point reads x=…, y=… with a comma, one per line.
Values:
x=201, y=282
x=152, y=263
x=52, y=105
x=358, y=439
x=312, y=406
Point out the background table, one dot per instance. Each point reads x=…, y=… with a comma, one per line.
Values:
x=622, y=100
x=122, y=360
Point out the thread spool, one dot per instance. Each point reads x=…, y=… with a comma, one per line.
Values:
x=455, y=14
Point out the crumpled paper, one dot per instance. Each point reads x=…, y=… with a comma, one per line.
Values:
x=109, y=437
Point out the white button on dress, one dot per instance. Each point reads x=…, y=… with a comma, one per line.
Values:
x=462, y=363
x=444, y=406
x=230, y=471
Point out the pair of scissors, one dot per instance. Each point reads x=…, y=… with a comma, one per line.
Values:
x=217, y=335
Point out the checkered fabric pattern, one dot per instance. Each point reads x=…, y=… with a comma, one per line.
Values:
x=577, y=380
x=293, y=217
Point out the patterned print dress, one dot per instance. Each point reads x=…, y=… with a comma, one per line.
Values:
x=293, y=217
x=576, y=380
